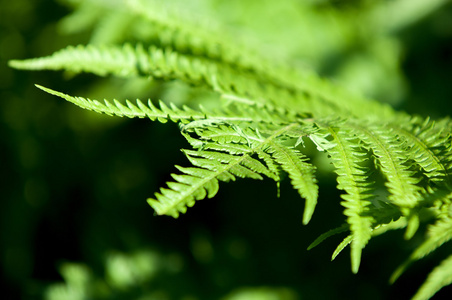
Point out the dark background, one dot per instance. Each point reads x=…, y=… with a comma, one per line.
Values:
x=74, y=184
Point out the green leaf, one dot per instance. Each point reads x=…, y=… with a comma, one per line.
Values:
x=353, y=179
x=438, y=234
x=440, y=277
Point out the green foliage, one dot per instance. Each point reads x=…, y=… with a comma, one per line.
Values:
x=261, y=119
x=136, y=275
x=124, y=274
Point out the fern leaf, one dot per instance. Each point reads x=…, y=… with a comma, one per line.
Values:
x=400, y=223
x=354, y=180
x=99, y=60
x=162, y=113
x=301, y=174
x=407, y=193
x=390, y=155
x=438, y=234
x=385, y=215
x=129, y=61
x=440, y=277
x=269, y=109
x=328, y=234
x=402, y=183
x=125, y=61
x=230, y=161
x=345, y=242
x=140, y=110
x=427, y=147
x=201, y=182
x=194, y=184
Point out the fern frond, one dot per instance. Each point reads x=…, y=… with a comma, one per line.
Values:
x=345, y=242
x=438, y=234
x=99, y=60
x=140, y=110
x=225, y=152
x=427, y=146
x=129, y=61
x=202, y=181
x=309, y=95
x=264, y=111
x=354, y=180
x=194, y=184
x=231, y=139
x=301, y=174
x=390, y=156
x=163, y=112
x=328, y=234
x=440, y=277
x=126, y=61
x=400, y=223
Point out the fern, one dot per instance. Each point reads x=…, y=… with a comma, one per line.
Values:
x=301, y=174
x=441, y=276
x=438, y=234
x=264, y=112
x=355, y=182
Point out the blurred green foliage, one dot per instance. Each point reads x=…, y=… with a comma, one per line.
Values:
x=74, y=183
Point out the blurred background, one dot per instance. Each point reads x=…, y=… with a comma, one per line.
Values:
x=74, y=220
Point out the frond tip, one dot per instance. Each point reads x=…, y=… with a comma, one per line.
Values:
x=438, y=234
x=440, y=277
x=163, y=113
x=201, y=181
x=194, y=184
x=301, y=174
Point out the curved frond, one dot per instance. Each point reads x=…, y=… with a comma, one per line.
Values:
x=329, y=233
x=390, y=155
x=225, y=152
x=309, y=94
x=395, y=170
x=438, y=234
x=163, y=112
x=354, y=180
x=140, y=110
x=345, y=242
x=99, y=60
x=427, y=145
x=301, y=174
x=440, y=277
x=402, y=182
x=202, y=181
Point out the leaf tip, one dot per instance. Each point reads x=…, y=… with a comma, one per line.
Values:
x=14, y=63
x=355, y=267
